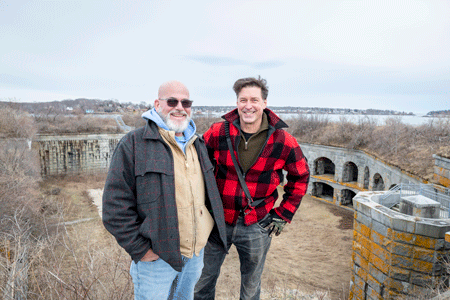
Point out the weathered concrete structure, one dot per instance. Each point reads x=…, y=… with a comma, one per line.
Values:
x=338, y=174
x=75, y=154
x=396, y=253
x=442, y=170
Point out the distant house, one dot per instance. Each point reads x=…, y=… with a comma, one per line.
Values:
x=89, y=111
x=69, y=108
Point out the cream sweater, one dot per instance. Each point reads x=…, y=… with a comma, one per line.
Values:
x=195, y=223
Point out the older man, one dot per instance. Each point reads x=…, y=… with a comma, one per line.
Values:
x=161, y=201
x=251, y=150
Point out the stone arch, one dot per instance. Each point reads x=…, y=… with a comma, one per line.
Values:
x=323, y=190
x=366, y=178
x=324, y=165
x=347, y=197
x=350, y=172
x=378, y=182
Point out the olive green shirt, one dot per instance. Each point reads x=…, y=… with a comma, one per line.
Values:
x=248, y=151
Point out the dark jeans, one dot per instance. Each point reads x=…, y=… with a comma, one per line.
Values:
x=252, y=243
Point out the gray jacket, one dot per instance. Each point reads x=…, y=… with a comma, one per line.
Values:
x=139, y=207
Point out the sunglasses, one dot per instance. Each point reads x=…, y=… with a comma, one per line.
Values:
x=172, y=102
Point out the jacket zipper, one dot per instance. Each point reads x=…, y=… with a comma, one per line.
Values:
x=194, y=219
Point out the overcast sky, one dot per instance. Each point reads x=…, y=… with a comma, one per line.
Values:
x=344, y=54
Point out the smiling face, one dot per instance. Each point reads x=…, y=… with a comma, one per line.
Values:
x=251, y=105
x=176, y=118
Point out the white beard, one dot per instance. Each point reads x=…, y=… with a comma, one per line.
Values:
x=174, y=126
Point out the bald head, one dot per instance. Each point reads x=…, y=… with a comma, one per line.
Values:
x=176, y=117
x=172, y=87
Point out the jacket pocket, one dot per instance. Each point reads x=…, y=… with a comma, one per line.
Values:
x=148, y=186
x=148, y=189
x=205, y=224
x=186, y=227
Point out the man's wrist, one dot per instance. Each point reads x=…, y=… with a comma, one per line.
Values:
x=275, y=216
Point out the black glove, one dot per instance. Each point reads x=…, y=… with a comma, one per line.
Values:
x=273, y=223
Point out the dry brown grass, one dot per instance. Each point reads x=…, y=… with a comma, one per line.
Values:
x=71, y=194
x=79, y=124
x=19, y=178
x=15, y=123
x=81, y=260
x=408, y=147
x=45, y=253
x=72, y=257
x=203, y=123
x=133, y=119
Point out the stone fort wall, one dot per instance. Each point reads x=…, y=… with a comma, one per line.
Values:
x=75, y=154
x=90, y=153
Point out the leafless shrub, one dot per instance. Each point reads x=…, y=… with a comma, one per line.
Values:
x=19, y=178
x=58, y=261
x=387, y=139
x=40, y=256
x=437, y=130
x=307, y=127
x=436, y=289
x=277, y=289
x=203, y=123
x=70, y=266
x=61, y=263
x=15, y=264
x=20, y=207
x=133, y=119
x=406, y=146
x=409, y=147
x=15, y=123
x=362, y=133
x=437, y=134
x=69, y=124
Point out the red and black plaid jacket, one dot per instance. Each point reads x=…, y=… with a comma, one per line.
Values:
x=280, y=152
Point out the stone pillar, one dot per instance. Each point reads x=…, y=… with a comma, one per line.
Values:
x=441, y=170
x=395, y=254
x=320, y=167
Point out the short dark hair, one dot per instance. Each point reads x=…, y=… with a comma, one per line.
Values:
x=251, y=81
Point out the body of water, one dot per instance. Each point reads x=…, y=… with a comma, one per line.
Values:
x=380, y=119
x=411, y=120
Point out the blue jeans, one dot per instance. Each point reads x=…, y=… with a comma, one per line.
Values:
x=158, y=280
x=252, y=243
